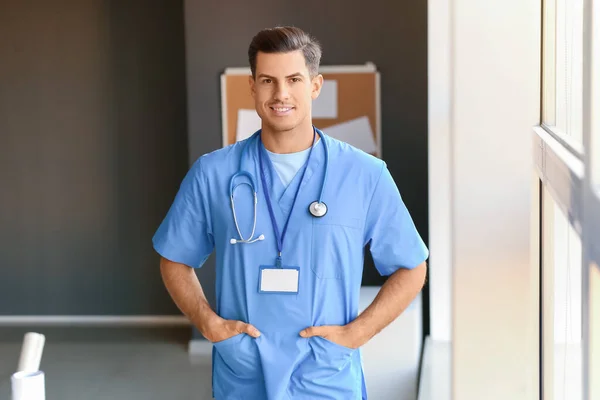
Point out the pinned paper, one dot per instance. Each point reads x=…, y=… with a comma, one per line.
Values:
x=356, y=132
x=326, y=105
x=248, y=122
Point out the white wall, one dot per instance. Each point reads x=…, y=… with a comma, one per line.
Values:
x=484, y=100
x=439, y=111
x=391, y=358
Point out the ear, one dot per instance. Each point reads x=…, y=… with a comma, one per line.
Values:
x=317, y=84
x=252, y=86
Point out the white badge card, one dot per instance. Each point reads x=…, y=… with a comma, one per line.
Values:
x=278, y=280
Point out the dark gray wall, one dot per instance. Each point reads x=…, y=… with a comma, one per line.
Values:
x=92, y=149
x=93, y=128
x=392, y=34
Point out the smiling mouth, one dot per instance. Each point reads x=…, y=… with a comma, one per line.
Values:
x=281, y=110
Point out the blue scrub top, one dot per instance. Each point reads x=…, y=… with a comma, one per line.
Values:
x=364, y=208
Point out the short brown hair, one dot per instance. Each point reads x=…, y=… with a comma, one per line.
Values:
x=283, y=40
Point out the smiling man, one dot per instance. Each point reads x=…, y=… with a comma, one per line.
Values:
x=303, y=207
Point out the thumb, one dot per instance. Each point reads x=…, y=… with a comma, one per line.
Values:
x=314, y=331
x=250, y=330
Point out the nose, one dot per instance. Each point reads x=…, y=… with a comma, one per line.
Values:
x=282, y=92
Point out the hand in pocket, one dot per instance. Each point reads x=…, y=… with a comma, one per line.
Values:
x=223, y=329
x=340, y=335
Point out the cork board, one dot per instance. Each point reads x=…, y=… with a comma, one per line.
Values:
x=358, y=95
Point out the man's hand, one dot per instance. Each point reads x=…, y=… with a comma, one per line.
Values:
x=343, y=335
x=220, y=329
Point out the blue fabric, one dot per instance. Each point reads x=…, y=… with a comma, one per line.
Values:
x=279, y=236
x=288, y=165
x=364, y=209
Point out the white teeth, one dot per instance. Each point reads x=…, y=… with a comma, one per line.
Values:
x=281, y=109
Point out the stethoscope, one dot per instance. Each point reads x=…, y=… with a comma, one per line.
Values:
x=317, y=208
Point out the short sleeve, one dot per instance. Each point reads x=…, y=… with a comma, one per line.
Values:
x=390, y=230
x=184, y=236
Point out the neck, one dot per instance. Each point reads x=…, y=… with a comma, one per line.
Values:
x=293, y=141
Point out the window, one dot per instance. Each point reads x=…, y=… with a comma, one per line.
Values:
x=595, y=87
x=562, y=272
x=594, y=331
x=549, y=64
x=563, y=71
x=568, y=163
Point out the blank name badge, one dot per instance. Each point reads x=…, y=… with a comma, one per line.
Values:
x=278, y=280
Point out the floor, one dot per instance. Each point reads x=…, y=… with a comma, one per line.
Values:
x=109, y=363
x=435, y=383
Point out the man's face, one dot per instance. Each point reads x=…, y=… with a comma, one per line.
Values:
x=283, y=90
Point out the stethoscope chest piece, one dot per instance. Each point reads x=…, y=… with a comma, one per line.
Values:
x=317, y=209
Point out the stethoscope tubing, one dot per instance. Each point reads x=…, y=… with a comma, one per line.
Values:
x=253, y=187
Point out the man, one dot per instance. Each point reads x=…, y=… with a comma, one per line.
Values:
x=286, y=323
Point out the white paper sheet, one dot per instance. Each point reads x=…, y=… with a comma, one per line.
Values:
x=356, y=132
x=326, y=105
x=248, y=122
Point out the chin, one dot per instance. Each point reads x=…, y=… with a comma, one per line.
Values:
x=280, y=126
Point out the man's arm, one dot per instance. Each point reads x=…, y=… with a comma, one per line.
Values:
x=393, y=298
x=185, y=290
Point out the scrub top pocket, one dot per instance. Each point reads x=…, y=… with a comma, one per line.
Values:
x=327, y=373
x=335, y=239
x=239, y=354
x=343, y=350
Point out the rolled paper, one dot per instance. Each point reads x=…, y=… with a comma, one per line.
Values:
x=31, y=352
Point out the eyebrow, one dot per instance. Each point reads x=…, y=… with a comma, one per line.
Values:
x=272, y=77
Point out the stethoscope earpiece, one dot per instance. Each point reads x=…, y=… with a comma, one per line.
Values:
x=235, y=241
